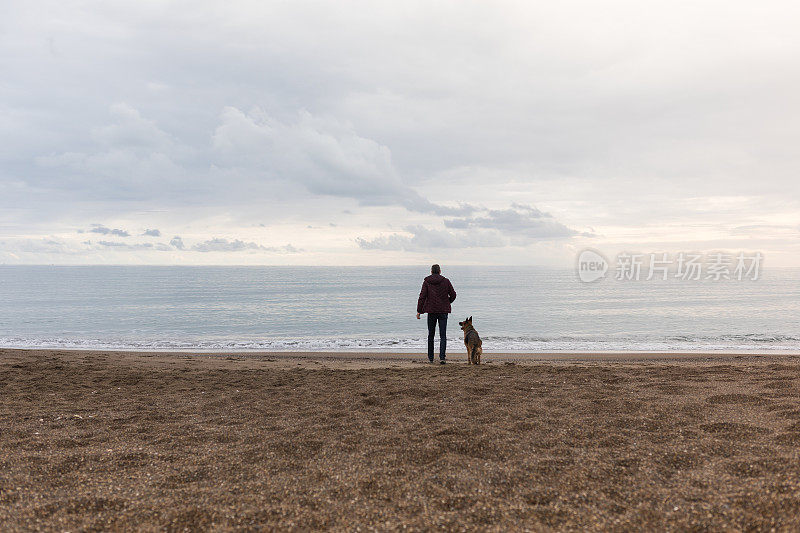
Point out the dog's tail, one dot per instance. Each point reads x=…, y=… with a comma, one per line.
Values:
x=478, y=353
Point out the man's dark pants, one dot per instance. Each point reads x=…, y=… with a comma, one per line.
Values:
x=433, y=318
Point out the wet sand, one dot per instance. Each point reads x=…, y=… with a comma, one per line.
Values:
x=148, y=441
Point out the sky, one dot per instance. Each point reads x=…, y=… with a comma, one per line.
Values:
x=380, y=133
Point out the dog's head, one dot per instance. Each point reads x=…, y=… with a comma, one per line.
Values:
x=466, y=324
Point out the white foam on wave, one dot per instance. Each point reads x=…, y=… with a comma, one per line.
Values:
x=745, y=343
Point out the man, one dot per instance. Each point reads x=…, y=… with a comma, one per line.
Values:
x=435, y=298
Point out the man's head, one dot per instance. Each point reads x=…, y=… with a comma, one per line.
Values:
x=436, y=269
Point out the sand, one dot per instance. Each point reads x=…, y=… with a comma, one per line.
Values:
x=121, y=441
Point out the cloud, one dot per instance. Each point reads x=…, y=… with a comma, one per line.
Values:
x=40, y=246
x=519, y=220
x=99, y=228
x=253, y=153
x=126, y=246
x=224, y=245
x=61, y=247
x=768, y=229
x=151, y=233
x=236, y=245
x=627, y=117
x=519, y=225
x=324, y=155
x=422, y=239
x=128, y=158
x=133, y=131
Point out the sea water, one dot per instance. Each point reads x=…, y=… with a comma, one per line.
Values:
x=373, y=308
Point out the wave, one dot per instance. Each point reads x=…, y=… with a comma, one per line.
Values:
x=675, y=343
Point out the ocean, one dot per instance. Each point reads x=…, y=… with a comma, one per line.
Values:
x=373, y=308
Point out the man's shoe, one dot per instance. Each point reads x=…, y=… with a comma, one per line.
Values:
x=441, y=362
x=430, y=361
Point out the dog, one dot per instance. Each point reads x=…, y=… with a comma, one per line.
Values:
x=472, y=341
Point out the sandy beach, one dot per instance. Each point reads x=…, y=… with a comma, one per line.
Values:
x=179, y=441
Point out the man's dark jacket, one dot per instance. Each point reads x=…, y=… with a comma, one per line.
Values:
x=436, y=295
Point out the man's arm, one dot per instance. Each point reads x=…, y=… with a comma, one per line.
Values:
x=423, y=295
x=451, y=293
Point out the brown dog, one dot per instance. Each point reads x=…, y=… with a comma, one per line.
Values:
x=472, y=342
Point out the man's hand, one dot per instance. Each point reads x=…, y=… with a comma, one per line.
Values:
x=418, y=316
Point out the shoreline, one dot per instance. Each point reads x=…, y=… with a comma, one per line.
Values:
x=358, y=360
x=409, y=352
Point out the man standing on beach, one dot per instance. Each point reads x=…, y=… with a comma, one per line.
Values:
x=435, y=298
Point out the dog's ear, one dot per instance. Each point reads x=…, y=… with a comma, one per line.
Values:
x=469, y=320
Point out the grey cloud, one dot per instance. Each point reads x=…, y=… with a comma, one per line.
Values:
x=325, y=155
x=520, y=220
x=99, y=228
x=236, y=245
x=590, y=84
x=133, y=131
x=224, y=245
x=151, y=233
x=133, y=159
x=39, y=246
x=422, y=238
x=159, y=246
x=211, y=245
x=130, y=158
x=125, y=246
x=519, y=225
x=647, y=118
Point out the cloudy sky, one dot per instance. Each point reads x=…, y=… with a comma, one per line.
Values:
x=155, y=132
